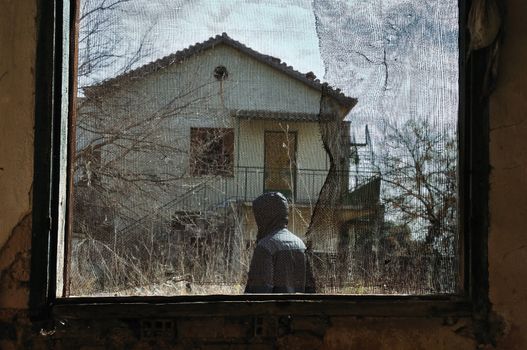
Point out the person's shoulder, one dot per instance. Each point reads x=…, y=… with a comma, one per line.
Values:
x=265, y=244
x=286, y=236
x=281, y=240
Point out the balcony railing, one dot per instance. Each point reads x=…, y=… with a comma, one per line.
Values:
x=205, y=195
x=301, y=186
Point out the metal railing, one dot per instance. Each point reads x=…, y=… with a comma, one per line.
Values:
x=215, y=195
x=300, y=185
x=246, y=183
x=208, y=194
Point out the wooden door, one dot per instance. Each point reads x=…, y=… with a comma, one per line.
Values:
x=280, y=162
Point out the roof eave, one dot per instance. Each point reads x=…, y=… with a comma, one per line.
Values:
x=179, y=56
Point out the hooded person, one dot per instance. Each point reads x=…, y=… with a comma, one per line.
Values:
x=279, y=263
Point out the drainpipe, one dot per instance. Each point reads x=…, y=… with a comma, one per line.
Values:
x=237, y=141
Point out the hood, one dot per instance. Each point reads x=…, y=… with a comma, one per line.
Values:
x=271, y=213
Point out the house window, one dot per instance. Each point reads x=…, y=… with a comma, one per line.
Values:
x=211, y=151
x=142, y=185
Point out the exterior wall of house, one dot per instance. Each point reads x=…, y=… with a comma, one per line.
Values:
x=311, y=158
x=166, y=104
x=507, y=240
x=251, y=85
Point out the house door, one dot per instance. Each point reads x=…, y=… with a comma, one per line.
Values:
x=280, y=162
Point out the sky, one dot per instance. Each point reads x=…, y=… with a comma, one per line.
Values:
x=280, y=28
x=398, y=57
x=344, y=42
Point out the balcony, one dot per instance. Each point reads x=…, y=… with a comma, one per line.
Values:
x=300, y=186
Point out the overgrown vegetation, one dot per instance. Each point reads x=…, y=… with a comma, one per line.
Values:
x=153, y=213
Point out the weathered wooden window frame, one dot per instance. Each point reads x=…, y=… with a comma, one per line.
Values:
x=54, y=101
x=226, y=156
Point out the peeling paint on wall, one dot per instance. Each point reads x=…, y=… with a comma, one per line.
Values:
x=15, y=265
x=17, y=108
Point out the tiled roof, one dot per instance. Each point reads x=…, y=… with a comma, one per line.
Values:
x=307, y=78
x=291, y=116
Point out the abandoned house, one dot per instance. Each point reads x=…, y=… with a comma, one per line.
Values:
x=182, y=145
x=490, y=312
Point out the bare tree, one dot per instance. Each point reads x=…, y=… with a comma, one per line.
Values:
x=136, y=220
x=138, y=185
x=419, y=174
x=419, y=169
x=103, y=47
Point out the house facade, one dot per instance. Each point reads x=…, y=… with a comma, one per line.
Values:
x=181, y=146
x=224, y=122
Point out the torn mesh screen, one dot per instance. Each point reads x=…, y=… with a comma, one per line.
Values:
x=189, y=110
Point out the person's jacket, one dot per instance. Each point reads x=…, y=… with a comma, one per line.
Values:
x=279, y=263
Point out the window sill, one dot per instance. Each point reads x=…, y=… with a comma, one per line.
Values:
x=247, y=305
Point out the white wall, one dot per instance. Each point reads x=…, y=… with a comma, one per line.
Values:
x=169, y=102
x=311, y=157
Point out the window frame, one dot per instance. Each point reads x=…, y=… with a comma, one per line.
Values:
x=55, y=94
x=226, y=156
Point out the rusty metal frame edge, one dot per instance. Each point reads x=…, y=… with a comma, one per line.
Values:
x=72, y=134
x=473, y=296
x=360, y=306
x=45, y=178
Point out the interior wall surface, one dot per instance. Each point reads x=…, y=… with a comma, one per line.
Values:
x=17, y=63
x=508, y=183
x=507, y=240
x=17, y=110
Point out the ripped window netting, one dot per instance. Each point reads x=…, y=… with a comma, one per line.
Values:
x=390, y=229
x=187, y=112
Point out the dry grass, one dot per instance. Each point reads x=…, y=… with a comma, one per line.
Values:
x=173, y=288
